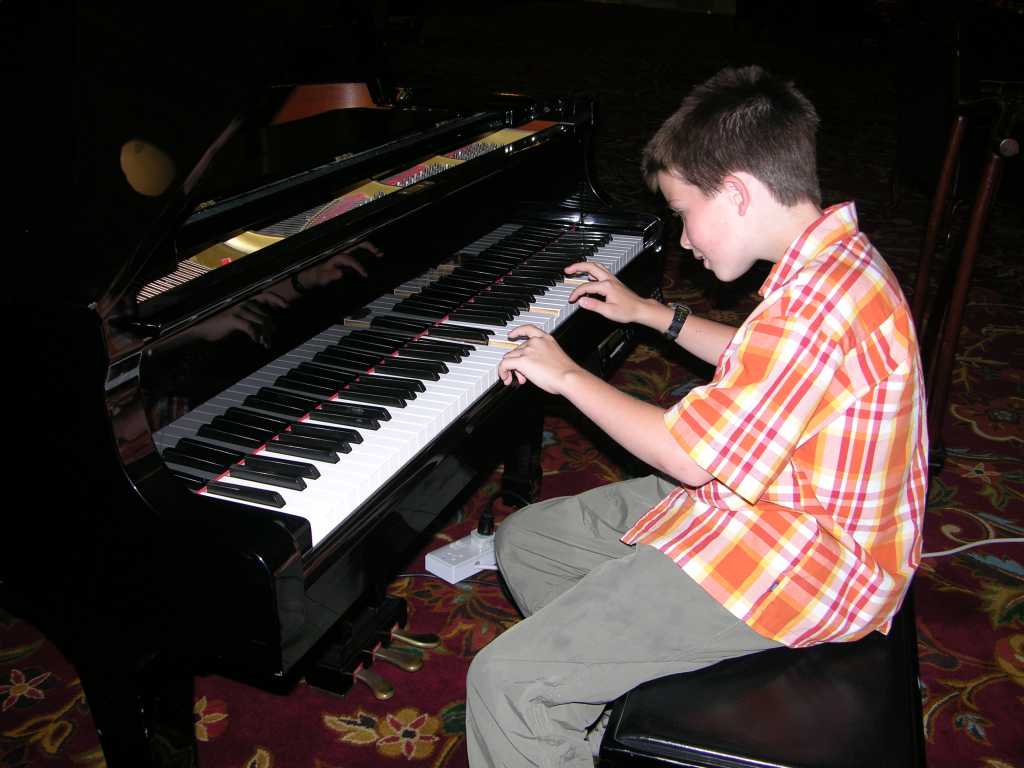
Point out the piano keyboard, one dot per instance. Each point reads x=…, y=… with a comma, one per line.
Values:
x=321, y=428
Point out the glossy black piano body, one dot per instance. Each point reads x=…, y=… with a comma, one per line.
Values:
x=144, y=583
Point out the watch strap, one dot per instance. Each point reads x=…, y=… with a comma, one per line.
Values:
x=679, y=315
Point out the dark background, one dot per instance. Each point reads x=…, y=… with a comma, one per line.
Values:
x=81, y=78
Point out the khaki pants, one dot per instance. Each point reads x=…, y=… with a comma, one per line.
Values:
x=602, y=617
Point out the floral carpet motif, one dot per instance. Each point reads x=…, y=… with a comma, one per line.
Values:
x=970, y=605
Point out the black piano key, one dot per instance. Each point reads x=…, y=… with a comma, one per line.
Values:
x=174, y=456
x=405, y=365
x=319, y=430
x=340, y=378
x=426, y=314
x=287, y=398
x=481, y=317
x=383, y=337
x=412, y=384
x=539, y=284
x=442, y=303
x=260, y=403
x=317, y=454
x=255, y=419
x=283, y=466
x=303, y=385
x=356, y=368
x=423, y=308
x=480, y=270
x=556, y=264
x=483, y=311
x=361, y=411
x=393, y=383
x=306, y=441
x=412, y=369
x=347, y=420
x=362, y=357
x=244, y=493
x=542, y=273
x=494, y=259
x=449, y=346
x=369, y=395
x=422, y=355
x=192, y=482
x=365, y=346
x=498, y=303
x=268, y=477
x=201, y=450
x=472, y=283
x=228, y=437
x=536, y=283
x=451, y=331
x=429, y=351
x=445, y=293
x=233, y=427
x=403, y=323
x=525, y=293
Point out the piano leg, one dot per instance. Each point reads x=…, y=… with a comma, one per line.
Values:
x=142, y=709
x=141, y=704
x=523, y=433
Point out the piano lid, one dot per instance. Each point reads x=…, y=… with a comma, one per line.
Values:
x=154, y=87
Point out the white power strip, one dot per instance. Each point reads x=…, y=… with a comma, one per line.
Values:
x=461, y=559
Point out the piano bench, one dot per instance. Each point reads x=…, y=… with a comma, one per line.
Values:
x=837, y=705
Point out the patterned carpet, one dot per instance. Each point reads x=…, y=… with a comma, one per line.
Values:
x=970, y=606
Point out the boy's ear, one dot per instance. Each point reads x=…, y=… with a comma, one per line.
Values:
x=737, y=193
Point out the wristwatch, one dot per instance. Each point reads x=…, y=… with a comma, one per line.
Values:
x=680, y=313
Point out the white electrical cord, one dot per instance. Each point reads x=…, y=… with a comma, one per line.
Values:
x=972, y=545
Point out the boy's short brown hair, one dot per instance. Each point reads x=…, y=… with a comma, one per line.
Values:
x=742, y=119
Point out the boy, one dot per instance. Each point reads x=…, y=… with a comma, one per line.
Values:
x=799, y=472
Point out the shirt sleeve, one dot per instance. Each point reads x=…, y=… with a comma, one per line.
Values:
x=745, y=425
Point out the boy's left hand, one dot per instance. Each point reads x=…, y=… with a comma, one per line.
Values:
x=538, y=359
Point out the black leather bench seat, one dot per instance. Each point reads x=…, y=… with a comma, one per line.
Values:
x=838, y=705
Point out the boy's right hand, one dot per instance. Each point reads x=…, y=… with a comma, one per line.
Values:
x=605, y=294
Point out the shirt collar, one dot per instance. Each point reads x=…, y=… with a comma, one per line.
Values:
x=837, y=222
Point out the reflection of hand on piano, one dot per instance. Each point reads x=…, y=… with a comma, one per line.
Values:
x=252, y=318
x=538, y=359
x=334, y=268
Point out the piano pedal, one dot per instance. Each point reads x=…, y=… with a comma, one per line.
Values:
x=382, y=690
x=404, y=658
x=422, y=640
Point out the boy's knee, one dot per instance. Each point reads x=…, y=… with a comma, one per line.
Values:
x=509, y=535
x=482, y=678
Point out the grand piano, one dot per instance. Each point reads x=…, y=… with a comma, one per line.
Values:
x=247, y=400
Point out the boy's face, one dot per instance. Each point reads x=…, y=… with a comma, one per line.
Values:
x=713, y=227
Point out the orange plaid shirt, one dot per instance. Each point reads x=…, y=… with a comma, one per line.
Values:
x=813, y=429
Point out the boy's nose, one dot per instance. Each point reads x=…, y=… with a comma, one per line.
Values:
x=684, y=240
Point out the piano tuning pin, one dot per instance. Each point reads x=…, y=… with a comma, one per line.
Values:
x=381, y=688
x=402, y=659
